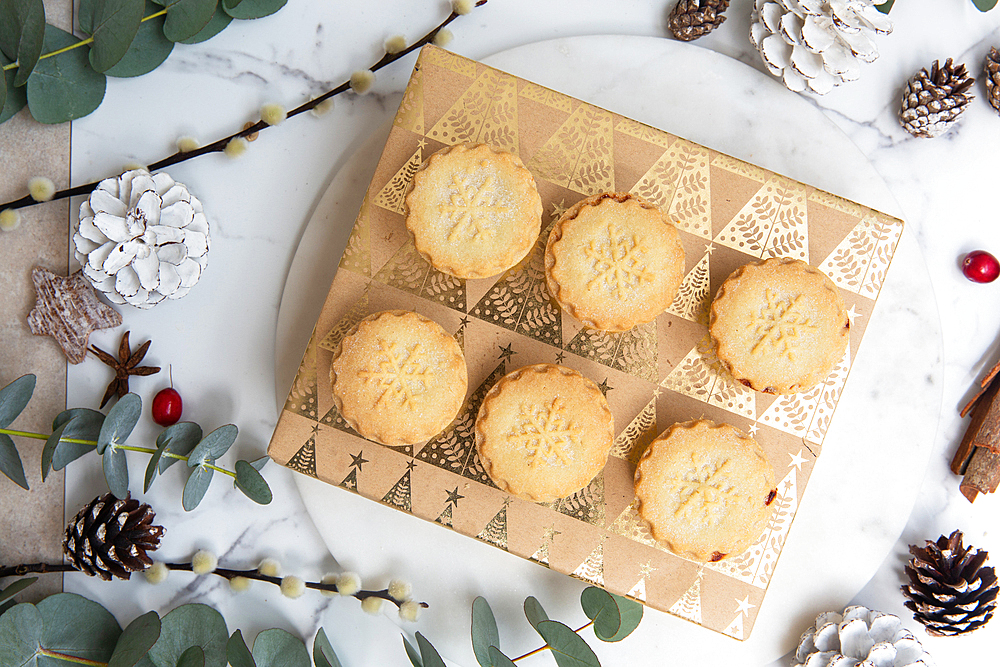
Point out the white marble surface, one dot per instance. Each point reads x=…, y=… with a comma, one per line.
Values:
x=220, y=339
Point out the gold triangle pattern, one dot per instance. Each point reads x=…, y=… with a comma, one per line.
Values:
x=735, y=628
x=495, y=531
x=304, y=460
x=633, y=351
x=351, y=481
x=860, y=261
x=638, y=592
x=631, y=526
x=678, y=183
x=357, y=313
x=445, y=517
x=699, y=375
x=449, y=61
x=689, y=605
x=579, y=156
x=592, y=569
x=807, y=414
x=546, y=96
x=393, y=195
x=411, y=110
x=694, y=296
x=485, y=113
x=399, y=495
x=632, y=441
x=587, y=504
x=303, y=395
x=410, y=272
x=357, y=255
x=773, y=223
x=541, y=555
x=650, y=135
x=741, y=168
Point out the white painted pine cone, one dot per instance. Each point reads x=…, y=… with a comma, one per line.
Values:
x=860, y=637
x=142, y=238
x=816, y=44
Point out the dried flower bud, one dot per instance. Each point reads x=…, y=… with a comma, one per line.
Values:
x=322, y=108
x=328, y=580
x=204, y=562
x=292, y=586
x=239, y=584
x=132, y=165
x=399, y=590
x=362, y=81
x=41, y=188
x=188, y=144
x=269, y=567
x=273, y=114
x=462, y=7
x=348, y=583
x=236, y=147
x=409, y=611
x=371, y=605
x=10, y=220
x=156, y=573
x=395, y=44
x=443, y=37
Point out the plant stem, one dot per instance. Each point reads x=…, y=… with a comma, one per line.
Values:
x=220, y=145
x=69, y=658
x=76, y=45
x=547, y=647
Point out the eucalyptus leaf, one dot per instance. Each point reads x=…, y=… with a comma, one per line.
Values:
x=258, y=464
x=984, y=5
x=411, y=653
x=196, y=486
x=484, y=631
x=116, y=23
x=149, y=48
x=14, y=398
x=3, y=86
x=49, y=450
x=22, y=34
x=16, y=98
x=10, y=462
x=20, y=634
x=64, y=87
x=121, y=419
x=252, y=483
x=191, y=625
x=219, y=21
x=533, y=611
x=323, y=653
x=252, y=9
x=85, y=12
x=136, y=640
x=885, y=6
x=428, y=654
x=568, y=648
x=193, y=656
x=81, y=424
x=631, y=612
x=17, y=587
x=498, y=659
x=602, y=609
x=213, y=445
x=279, y=648
x=237, y=652
x=76, y=626
x=186, y=18
x=6, y=606
x=178, y=439
x=115, y=472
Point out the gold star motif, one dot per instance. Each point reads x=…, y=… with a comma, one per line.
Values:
x=506, y=352
x=358, y=461
x=454, y=497
x=797, y=460
x=852, y=313
x=744, y=606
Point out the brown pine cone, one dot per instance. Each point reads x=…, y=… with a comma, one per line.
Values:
x=110, y=537
x=933, y=101
x=992, y=71
x=690, y=19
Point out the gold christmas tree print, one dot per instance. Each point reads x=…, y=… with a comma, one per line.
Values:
x=860, y=261
x=393, y=195
x=699, y=375
x=631, y=526
x=694, y=296
x=772, y=224
x=587, y=504
x=449, y=61
x=592, y=569
x=678, y=182
x=633, y=351
x=303, y=394
x=546, y=96
x=689, y=604
x=632, y=441
x=399, y=495
x=357, y=254
x=779, y=325
x=650, y=135
x=304, y=460
x=474, y=210
x=331, y=341
x=445, y=517
x=833, y=386
x=485, y=113
x=617, y=262
x=580, y=155
x=735, y=627
x=541, y=556
x=351, y=481
x=638, y=592
x=410, y=272
x=495, y=531
x=411, y=110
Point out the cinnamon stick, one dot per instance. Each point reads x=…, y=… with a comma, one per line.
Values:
x=983, y=430
x=982, y=474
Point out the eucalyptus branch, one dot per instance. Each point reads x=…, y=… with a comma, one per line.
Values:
x=220, y=145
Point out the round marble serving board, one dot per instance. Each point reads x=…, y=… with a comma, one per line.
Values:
x=875, y=453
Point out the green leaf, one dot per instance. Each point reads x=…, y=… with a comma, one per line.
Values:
x=193, y=656
x=191, y=625
x=135, y=642
x=186, y=18
x=6, y=606
x=116, y=472
x=498, y=659
x=121, y=419
x=16, y=97
x=76, y=626
x=252, y=483
x=213, y=445
x=64, y=87
x=22, y=34
x=178, y=439
x=20, y=634
x=116, y=23
x=568, y=648
x=258, y=464
x=237, y=652
x=280, y=648
x=631, y=612
x=149, y=48
x=10, y=462
x=81, y=424
x=14, y=398
x=533, y=611
x=49, y=450
x=885, y=6
x=428, y=654
x=17, y=587
x=984, y=5
x=220, y=19
x=411, y=653
x=252, y=9
x=484, y=631
x=323, y=654
x=196, y=486
x=602, y=609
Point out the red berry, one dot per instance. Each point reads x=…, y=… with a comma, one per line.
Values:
x=167, y=406
x=981, y=267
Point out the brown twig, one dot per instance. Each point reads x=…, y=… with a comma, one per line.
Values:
x=220, y=145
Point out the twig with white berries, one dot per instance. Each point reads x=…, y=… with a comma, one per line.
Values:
x=360, y=82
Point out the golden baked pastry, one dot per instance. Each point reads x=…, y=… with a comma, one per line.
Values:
x=398, y=378
x=614, y=261
x=705, y=490
x=474, y=210
x=543, y=432
x=779, y=326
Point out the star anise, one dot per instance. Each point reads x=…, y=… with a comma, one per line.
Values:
x=125, y=365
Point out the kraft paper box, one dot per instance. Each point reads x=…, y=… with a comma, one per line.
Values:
x=728, y=212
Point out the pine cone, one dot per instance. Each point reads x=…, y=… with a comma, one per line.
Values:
x=862, y=637
x=933, y=101
x=992, y=70
x=110, y=537
x=950, y=591
x=690, y=19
